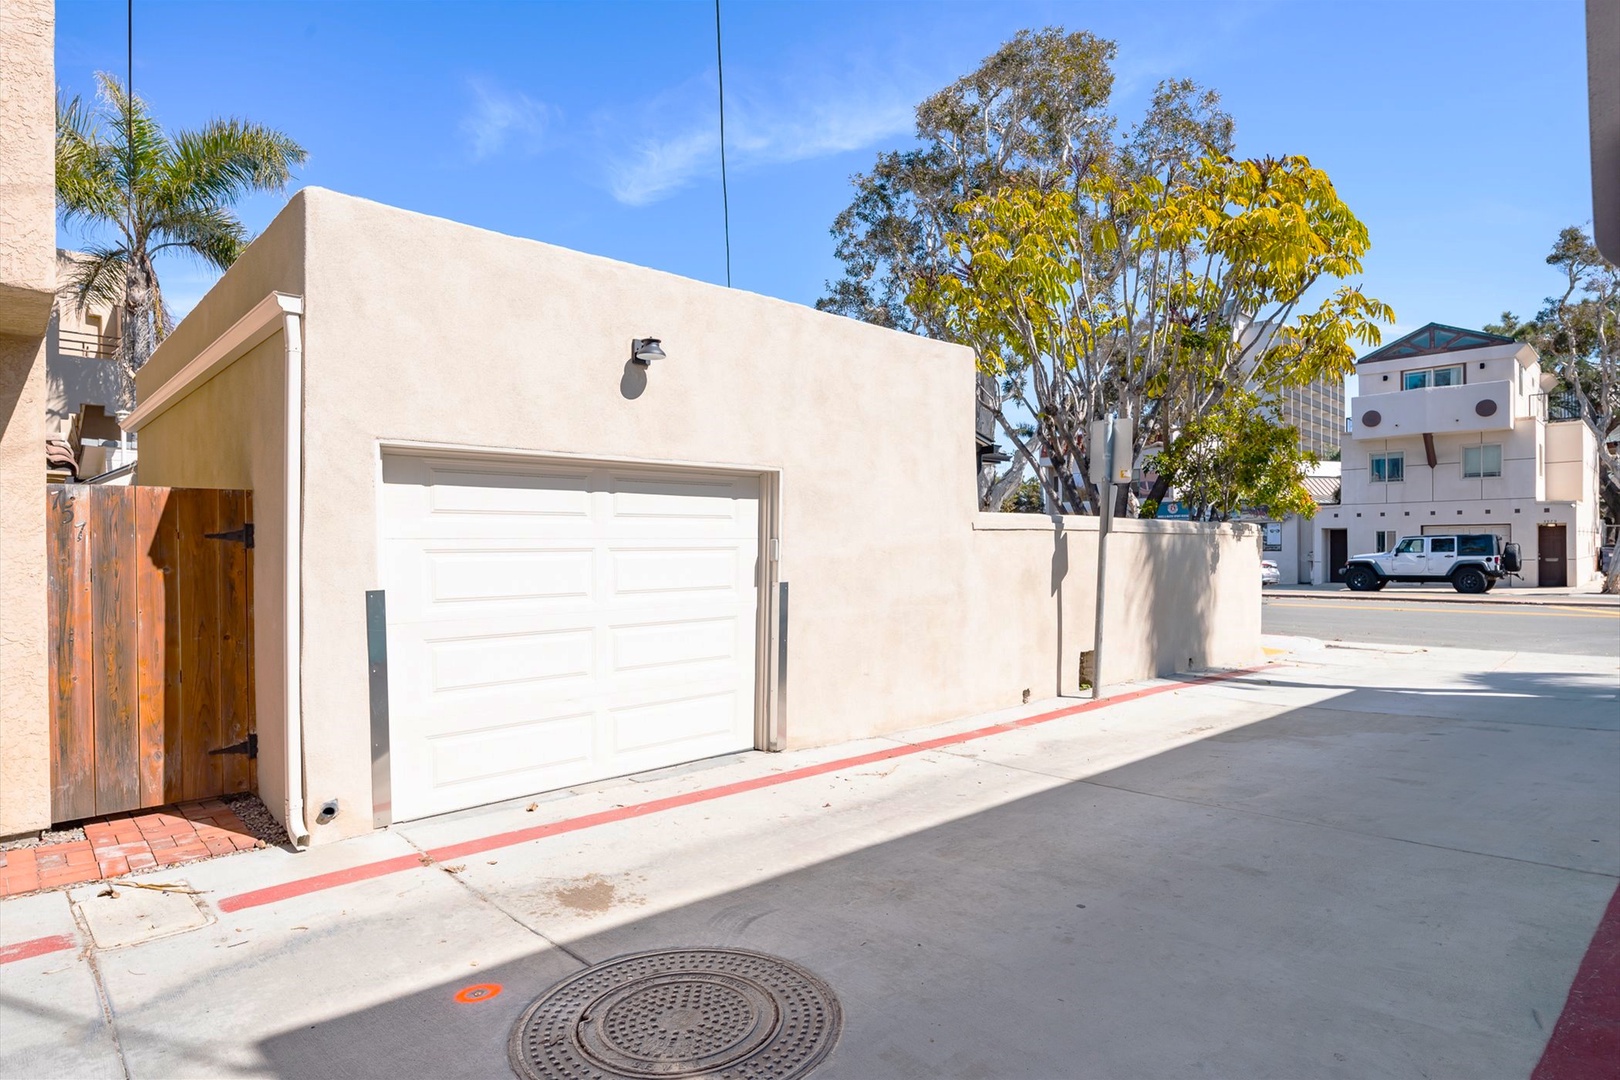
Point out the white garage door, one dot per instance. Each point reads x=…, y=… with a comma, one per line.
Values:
x=551, y=624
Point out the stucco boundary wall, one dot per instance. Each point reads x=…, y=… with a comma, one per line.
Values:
x=1180, y=595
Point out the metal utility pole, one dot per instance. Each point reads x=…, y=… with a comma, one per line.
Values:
x=1106, y=436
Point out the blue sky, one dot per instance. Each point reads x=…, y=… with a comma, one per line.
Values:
x=1457, y=131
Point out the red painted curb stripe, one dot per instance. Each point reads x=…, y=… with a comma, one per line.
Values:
x=307, y=885
x=39, y=946
x=300, y=887
x=1585, y=1043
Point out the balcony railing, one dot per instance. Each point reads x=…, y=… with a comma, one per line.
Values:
x=82, y=343
x=1558, y=406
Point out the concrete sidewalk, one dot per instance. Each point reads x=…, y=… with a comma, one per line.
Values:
x=1587, y=595
x=1352, y=863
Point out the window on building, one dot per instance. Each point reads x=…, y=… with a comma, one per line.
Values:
x=1385, y=539
x=1427, y=377
x=1388, y=468
x=1482, y=461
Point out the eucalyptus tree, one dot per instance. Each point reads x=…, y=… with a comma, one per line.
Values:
x=137, y=191
x=1096, y=268
x=1577, y=333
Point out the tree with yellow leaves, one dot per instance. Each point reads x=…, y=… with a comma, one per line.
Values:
x=1154, y=300
x=1142, y=271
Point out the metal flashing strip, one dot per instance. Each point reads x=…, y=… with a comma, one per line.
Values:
x=263, y=320
x=778, y=739
x=382, y=784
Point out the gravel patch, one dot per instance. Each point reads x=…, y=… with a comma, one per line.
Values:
x=256, y=816
x=47, y=836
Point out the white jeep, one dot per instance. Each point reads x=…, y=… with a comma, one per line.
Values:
x=1471, y=562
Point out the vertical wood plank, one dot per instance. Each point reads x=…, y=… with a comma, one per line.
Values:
x=199, y=644
x=234, y=723
x=251, y=678
x=157, y=642
x=113, y=607
x=73, y=780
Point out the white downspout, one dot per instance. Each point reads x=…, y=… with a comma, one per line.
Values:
x=293, y=608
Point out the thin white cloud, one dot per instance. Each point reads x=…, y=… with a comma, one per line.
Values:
x=685, y=143
x=501, y=120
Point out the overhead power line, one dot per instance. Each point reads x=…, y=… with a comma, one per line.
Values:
x=725, y=195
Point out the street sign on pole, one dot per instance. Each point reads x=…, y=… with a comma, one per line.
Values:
x=1096, y=449
x=1120, y=451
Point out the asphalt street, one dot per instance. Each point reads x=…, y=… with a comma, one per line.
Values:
x=1546, y=629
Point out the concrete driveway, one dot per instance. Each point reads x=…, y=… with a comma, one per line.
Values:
x=1354, y=863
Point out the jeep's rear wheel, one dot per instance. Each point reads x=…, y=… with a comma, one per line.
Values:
x=1361, y=579
x=1470, y=580
x=1491, y=584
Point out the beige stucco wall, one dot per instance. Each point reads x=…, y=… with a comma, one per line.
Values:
x=27, y=285
x=1572, y=462
x=27, y=165
x=25, y=768
x=230, y=432
x=907, y=605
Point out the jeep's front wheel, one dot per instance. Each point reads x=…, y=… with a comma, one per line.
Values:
x=1361, y=579
x=1469, y=580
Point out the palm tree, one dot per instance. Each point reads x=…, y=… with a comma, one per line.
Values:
x=121, y=176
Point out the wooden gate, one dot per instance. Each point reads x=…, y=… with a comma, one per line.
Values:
x=151, y=640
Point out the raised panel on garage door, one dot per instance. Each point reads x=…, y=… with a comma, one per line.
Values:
x=552, y=624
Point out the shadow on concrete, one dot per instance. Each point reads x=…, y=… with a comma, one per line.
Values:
x=1185, y=565
x=1386, y=884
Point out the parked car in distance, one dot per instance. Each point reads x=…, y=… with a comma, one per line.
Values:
x=1470, y=563
x=1269, y=574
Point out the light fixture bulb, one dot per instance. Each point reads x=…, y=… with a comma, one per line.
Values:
x=645, y=350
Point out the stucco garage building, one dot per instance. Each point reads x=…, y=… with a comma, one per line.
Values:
x=582, y=557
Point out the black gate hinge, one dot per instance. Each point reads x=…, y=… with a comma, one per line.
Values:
x=248, y=746
x=243, y=536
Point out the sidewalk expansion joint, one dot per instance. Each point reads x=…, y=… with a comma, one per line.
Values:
x=429, y=861
x=88, y=953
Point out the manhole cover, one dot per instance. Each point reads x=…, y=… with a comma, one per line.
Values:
x=719, y=1013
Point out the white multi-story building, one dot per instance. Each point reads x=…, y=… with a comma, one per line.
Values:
x=1450, y=433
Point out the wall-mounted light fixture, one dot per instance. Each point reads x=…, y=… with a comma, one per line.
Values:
x=645, y=350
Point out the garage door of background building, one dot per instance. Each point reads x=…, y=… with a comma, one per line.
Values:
x=551, y=624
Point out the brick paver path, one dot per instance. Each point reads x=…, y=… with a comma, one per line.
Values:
x=124, y=843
